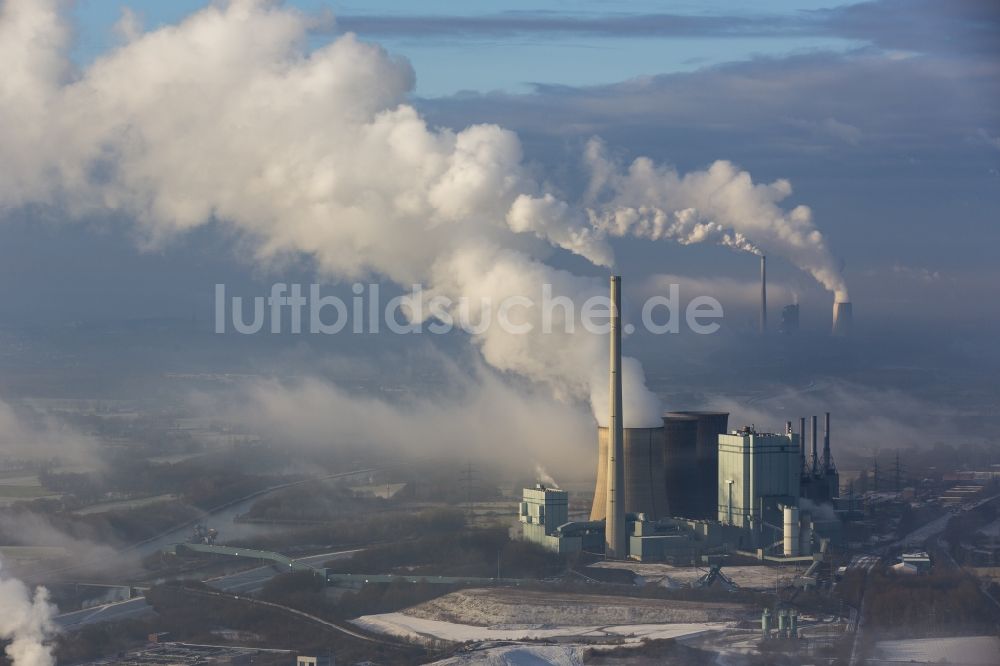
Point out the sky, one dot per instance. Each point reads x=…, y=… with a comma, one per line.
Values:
x=475, y=54
x=175, y=148
x=882, y=115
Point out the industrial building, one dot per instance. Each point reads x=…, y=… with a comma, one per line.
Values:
x=758, y=475
x=695, y=489
x=689, y=489
x=645, y=482
x=668, y=471
x=820, y=482
x=542, y=511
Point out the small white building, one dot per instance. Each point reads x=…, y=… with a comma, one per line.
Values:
x=541, y=512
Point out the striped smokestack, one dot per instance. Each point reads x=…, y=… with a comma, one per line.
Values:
x=614, y=527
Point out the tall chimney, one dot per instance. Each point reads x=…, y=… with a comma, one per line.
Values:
x=826, y=446
x=843, y=319
x=815, y=461
x=763, y=294
x=802, y=445
x=614, y=528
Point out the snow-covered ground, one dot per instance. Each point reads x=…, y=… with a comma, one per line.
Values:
x=418, y=628
x=965, y=650
x=520, y=655
x=502, y=608
x=750, y=577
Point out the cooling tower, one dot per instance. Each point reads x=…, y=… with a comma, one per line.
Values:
x=615, y=537
x=645, y=482
x=703, y=501
x=763, y=294
x=843, y=319
x=683, y=476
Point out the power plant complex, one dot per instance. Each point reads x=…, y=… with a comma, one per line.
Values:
x=691, y=488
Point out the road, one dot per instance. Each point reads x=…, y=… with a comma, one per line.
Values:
x=923, y=534
x=250, y=580
x=223, y=515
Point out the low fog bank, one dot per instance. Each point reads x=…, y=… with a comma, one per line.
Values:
x=473, y=414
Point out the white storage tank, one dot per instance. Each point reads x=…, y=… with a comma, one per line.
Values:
x=791, y=531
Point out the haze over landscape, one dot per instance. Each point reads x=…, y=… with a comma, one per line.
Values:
x=172, y=171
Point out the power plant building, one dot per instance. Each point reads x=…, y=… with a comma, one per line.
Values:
x=541, y=512
x=681, y=463
x=758, y=475
x=696, y=486
x=686, y=489
x=645, y=483
x=820, y=481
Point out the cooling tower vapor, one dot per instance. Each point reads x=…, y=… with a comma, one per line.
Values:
x=228, y=118
x=25, y=621
x=721, y=205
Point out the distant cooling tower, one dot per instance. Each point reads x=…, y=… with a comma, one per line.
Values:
x=645, y=487
x=702, y=501
x=843, y=319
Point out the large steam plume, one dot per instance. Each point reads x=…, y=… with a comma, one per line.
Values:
x=26, y=621
x=228, y=117
x=721, y=205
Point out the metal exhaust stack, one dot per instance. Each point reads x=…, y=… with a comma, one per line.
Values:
x=614, y=528
x=802, y=445
x=826, y=446
x=763, y=294
x=815, y=468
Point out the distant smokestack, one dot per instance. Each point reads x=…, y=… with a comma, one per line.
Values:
x=815, y=460
x=826, y=446
x=802, y=445
x=843, y=319
x=614, y=527
x=763, y=294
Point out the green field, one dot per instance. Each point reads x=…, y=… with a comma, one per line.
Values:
x=23, y=492
x=119, y=505
x=31, y=553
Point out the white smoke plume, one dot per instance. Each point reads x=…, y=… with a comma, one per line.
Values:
x=26, y=621
x=227, y=117
x=721, y=205
x=545, y=478
x=479, y=414
x=818, y=511
x=26, y=433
